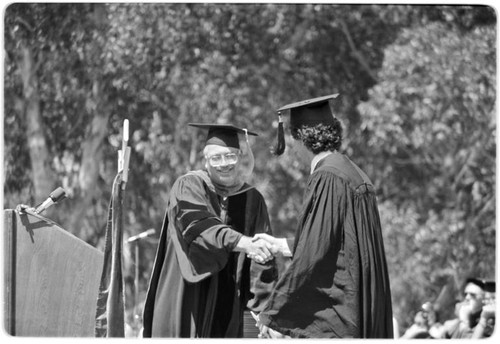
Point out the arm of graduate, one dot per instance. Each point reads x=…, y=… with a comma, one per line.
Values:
x=203, y=243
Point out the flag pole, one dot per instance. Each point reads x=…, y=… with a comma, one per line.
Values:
x=124, y=155
x=110, y=308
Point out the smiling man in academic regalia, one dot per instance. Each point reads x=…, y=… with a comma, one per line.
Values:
x=337, y=284
x=202, y=281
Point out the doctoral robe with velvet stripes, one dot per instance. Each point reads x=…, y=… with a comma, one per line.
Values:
x=199, y=287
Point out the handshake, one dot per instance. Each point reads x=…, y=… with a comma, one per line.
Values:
x=263, y=247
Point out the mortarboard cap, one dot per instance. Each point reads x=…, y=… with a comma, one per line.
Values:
x=225, y=135
x=308, y=112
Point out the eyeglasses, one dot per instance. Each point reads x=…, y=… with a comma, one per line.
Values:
x=229, y=158
x=473, y=295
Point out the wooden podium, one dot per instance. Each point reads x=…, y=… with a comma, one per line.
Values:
x=51, y=279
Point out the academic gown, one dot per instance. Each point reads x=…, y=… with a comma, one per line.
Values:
x=337, y=284
x=199, y=287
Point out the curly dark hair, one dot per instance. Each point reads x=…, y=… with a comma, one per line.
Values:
x=321, y=137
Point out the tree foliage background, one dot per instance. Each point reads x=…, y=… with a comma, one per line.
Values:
x=418, y=93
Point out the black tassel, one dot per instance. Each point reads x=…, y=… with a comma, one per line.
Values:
x=280, y=143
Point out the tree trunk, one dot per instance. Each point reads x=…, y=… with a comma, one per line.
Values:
x=41, y=168
x=83, y=217
x=92, y=159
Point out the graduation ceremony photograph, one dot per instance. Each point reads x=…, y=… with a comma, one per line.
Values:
x=249, y=170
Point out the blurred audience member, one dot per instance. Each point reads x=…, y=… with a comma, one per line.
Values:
x=419, y=329
x=425, y=323
x=486, y=324
x=430, y=312
x=469, y=312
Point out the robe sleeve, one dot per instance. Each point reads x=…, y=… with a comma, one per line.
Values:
x=311, y=282
x=202, y=242
x=263, y=277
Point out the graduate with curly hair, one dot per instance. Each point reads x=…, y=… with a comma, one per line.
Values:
x=337, y=284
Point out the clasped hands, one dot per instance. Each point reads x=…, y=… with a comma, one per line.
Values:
x=263, y=247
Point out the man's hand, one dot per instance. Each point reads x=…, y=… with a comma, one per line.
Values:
x=413, y=331
x=264, y=331
x=278, y=245
x=488, y=311
x=259, y=250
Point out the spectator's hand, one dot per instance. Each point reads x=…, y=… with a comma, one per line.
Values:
x=488, y=311
x=464, y=311
x=414, y=331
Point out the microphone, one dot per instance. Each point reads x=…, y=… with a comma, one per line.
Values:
x=56, y=196
x=142, y=235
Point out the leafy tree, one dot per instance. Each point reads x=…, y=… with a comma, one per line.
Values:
x=431, y=124
x=60, y=94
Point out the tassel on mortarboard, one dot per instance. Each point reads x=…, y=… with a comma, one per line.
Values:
x=309, y=112
x=247, y=163
x=280, y=143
